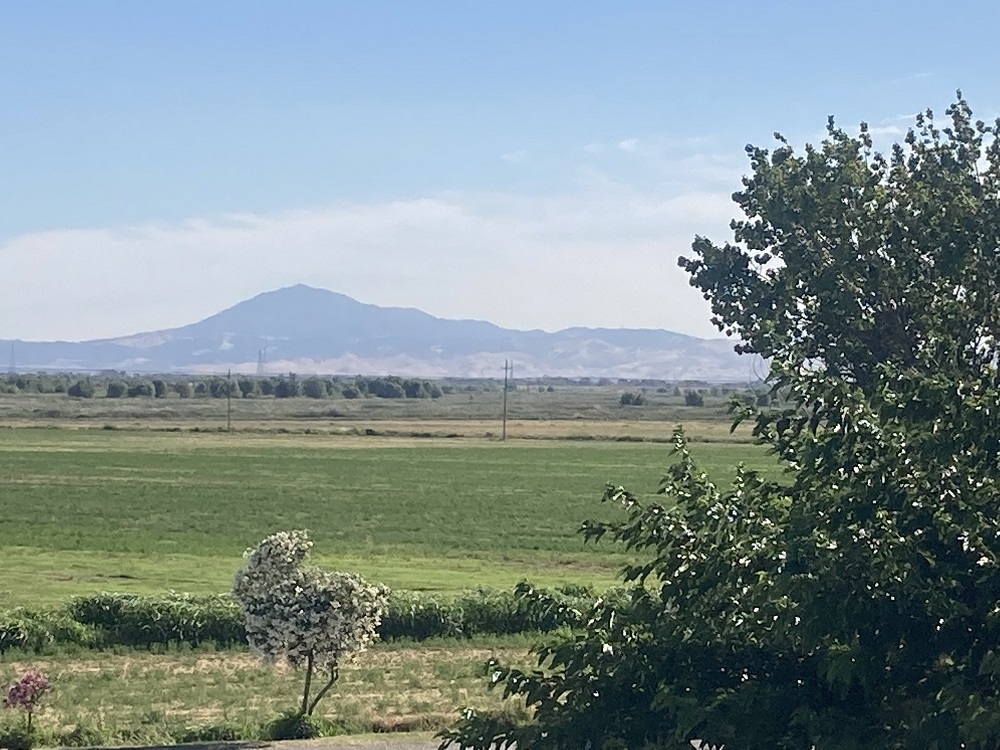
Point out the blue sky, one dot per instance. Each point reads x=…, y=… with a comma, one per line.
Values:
x=537, y=164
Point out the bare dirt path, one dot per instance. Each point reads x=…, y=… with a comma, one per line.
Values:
x=392, y=741
x=397, y=741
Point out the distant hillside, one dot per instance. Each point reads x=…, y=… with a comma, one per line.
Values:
x=307, y=330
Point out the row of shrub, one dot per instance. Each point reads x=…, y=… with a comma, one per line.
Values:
x=108, y=620
x=122, y=385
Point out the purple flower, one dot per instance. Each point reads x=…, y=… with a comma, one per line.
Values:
x=26, y=692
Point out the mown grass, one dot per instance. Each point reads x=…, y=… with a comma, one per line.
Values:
x=149, y=699
x=88, y=510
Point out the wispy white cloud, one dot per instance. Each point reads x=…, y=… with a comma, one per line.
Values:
x=877, y=130
x=651, y=146
x=908, y=78
x=515, y=156
x=602, y=254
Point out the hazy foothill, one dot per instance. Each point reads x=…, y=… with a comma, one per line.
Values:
x=823, y=574
x=306, y=330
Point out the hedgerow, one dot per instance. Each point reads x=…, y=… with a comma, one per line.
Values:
x=107, y=620
x=27, y=630
x=168, y=619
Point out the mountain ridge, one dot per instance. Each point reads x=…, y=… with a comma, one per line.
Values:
x=309, y=330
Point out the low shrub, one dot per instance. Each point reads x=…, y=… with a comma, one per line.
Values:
x=420, y=616
x=293, y=725
x=84, y=735
x=27, y=630
x=491, y=611
x=482, y=612
x=16, y=738
x=213, y=733
x=170, y=619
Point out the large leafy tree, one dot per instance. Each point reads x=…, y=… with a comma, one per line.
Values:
x=856, y=603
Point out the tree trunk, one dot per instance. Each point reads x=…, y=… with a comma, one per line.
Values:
x=334, y=674
x=305, y=691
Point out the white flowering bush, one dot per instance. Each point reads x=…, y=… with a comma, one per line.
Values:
x=303, y=615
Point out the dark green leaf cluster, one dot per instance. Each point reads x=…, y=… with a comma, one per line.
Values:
x=694, y=398
x=26, y=630
x=17, y=737
x=294, y=725
x=116, y=389
x=629, y=398
x=39, y=382
x=856, y=604
x=393, y=386
x=81, y=389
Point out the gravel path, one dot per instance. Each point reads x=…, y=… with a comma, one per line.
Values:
x=395, y=741
x=391, y=741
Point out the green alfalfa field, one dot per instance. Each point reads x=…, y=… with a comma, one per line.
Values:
x=85, y=510
x=146, y=511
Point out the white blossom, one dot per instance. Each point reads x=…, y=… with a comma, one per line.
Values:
x=293, y=611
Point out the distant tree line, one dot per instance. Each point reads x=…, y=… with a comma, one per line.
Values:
x=122, y=385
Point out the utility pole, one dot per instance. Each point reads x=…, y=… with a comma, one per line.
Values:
x=229, y=400
x=503, y=434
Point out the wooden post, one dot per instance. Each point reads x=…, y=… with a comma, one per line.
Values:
x=503, y=434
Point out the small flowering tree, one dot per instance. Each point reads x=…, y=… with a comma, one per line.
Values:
x=26, y=693
x=302, y=615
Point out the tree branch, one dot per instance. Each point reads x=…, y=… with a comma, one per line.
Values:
x=334, y=674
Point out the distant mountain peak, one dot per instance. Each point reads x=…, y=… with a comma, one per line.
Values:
x=308, y=330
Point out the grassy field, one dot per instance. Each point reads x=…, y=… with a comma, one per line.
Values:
x=144, y=495
x=153, y=699
x=563, y=404
x=144, y=511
